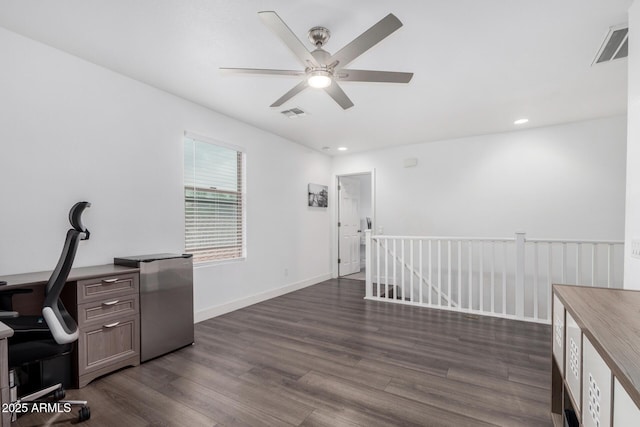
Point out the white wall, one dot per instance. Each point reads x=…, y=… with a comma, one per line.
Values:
x=70, y=131
x=557, y=182
x=632, y=226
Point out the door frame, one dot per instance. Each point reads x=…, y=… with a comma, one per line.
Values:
x=336, y=232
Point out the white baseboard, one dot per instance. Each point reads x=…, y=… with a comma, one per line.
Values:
x=228, y=307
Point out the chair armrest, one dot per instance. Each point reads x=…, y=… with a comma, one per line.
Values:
x=8, y=314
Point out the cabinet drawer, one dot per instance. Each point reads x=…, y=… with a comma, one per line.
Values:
x=558, y=332
x=106, y=287
x=573, y=359
x=105, y=344
x=625, y=411
x=596, y=388
x=109, y=310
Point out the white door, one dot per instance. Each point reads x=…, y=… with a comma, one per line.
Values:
x=349, y=228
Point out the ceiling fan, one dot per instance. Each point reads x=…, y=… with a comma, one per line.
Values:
x=323, y=70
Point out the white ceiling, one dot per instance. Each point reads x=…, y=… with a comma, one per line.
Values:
x=478, y=64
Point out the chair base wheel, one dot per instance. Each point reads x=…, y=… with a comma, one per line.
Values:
x=84, y=414
x=59, y=394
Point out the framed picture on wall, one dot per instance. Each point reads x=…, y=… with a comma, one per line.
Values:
x=318, y=195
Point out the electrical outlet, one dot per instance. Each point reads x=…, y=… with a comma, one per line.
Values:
x=635, y=248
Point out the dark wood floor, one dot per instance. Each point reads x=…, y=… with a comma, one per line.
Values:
x=323, y=356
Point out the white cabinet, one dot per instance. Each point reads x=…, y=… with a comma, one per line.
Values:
x=573, y=365
x=625, y=411
x=558, y=332
x=596, y=388
x=600, y=356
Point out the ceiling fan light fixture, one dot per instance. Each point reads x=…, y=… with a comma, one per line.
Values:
x=319, y=79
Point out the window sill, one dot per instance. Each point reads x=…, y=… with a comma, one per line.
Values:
x=205, y=264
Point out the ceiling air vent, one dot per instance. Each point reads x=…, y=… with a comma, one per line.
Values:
x=615, y=45
x=293, y=113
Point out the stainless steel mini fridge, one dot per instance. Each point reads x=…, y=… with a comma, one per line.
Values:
x=166, y=302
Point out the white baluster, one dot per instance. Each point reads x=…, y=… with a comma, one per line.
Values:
x=594, y=264
x=459, y=274
x=412, y=270
x=394, y=259
x=430, y=282
x=470, y=283
x=609, y=265
x=520, y=265
x=386, y=267
x=378, y=267
x=564, y=263
x=481, y=276
x=402, y=267
x=439, y=272
x=578, y=264
x=367, y=263
x=504, y=277
x=535, y=280
x=449, y=291
x=420, y=267
x=493, y=275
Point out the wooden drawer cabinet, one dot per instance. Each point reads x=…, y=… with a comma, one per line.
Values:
x=103, y=311
x=108, y=315
x=107, y=344
x=106, y=287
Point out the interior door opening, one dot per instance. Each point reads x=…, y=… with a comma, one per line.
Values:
x=355, y=215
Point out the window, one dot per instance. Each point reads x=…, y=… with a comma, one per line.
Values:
x=214, y=203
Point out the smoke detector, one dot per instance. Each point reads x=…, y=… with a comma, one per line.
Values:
x=615, y=45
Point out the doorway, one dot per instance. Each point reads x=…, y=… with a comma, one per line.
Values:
x=355, y=215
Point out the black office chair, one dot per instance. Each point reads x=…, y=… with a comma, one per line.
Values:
x=38, y=340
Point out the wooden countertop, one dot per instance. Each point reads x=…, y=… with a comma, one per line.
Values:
x=5, y=331
x=42, y=277
x=610, y=318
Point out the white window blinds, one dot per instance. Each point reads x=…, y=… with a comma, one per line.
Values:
x=213, y=201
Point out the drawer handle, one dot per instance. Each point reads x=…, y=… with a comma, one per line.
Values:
x=114, y=302
x=109, y=280
x=111, y=325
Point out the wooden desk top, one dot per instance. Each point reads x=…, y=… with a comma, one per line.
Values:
x=42, y=277
x=610, y=318
x=5, y=331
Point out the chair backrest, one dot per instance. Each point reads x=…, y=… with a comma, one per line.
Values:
x=63, y=328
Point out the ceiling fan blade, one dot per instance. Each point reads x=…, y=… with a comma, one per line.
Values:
x=280, y=29
x=338, y=95
x=366, y=40
x=293, y=92
x=374, y=76
x=263, y=71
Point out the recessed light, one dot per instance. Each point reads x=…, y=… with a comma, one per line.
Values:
x=520, y=121
x=342, y=148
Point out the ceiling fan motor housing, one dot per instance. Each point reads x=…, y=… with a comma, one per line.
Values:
x=319, y=36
